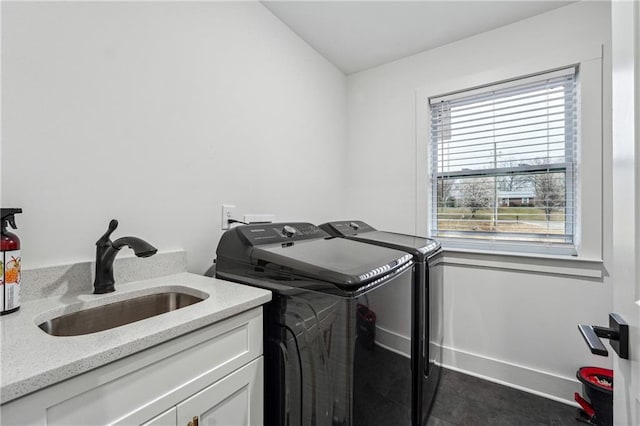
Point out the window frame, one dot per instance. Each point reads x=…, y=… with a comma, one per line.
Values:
x=564, y=244
x=593, y=155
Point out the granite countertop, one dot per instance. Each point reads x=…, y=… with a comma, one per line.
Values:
x=32, y=359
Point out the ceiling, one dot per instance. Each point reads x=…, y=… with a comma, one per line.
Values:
x=357, y=35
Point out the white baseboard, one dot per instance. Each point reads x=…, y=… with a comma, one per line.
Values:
x=537, y=382
x=393, y=341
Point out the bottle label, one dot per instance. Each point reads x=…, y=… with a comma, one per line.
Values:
x=10, y=280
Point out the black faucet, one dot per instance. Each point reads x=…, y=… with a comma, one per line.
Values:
x=106, y=251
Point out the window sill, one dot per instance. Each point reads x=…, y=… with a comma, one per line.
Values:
x=525, y=262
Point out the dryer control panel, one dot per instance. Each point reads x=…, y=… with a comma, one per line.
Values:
x=345, y=228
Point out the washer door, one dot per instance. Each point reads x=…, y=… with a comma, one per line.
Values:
x=347, y=264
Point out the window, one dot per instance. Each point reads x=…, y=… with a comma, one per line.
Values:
x=504, y=163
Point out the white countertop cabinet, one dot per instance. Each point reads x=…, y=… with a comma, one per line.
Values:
x=212, y=372
x=215, y=371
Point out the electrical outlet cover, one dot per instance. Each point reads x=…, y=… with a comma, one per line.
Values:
x=228, y=212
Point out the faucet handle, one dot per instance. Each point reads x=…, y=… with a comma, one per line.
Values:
x=107, y=235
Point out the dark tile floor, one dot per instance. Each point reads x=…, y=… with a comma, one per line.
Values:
x=464, y=400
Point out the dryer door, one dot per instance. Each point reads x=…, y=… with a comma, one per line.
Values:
x=382, y=380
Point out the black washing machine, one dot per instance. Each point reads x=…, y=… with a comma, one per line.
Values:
x=426, y=306
x=323, y=364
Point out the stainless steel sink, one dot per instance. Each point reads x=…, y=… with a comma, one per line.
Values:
x=113, y=315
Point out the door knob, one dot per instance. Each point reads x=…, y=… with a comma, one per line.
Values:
x=617, y=333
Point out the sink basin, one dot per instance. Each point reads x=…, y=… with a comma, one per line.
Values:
x=116, y=314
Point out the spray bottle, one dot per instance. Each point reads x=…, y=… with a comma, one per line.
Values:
x=9, y=264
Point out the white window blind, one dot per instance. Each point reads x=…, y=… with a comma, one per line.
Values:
x=504, y=162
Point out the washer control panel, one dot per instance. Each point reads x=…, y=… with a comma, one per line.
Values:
x=273, y=233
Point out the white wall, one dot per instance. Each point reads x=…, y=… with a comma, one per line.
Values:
x=155, y=114
x=502, y=320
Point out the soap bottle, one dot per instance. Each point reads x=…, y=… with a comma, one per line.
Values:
x=9, y=264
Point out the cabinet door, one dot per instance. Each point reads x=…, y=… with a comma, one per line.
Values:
x=168, y=418
x=235, y=400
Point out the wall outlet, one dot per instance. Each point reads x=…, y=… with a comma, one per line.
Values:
x=259, y=218
x=228, y=212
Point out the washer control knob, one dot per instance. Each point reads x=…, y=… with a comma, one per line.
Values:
x=289, y=231
x=354, y=226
